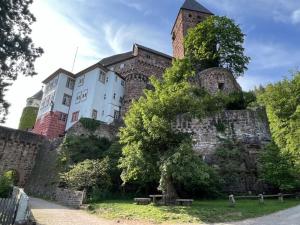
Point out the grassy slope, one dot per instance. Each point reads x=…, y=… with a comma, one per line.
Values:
x=201, y=211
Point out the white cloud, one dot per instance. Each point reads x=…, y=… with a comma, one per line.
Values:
x=269, y=55
x=296, y=16
x=59, y=39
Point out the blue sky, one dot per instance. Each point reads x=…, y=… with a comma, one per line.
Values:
x=105, y=27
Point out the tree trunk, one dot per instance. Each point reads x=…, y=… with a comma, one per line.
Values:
x=169, y=192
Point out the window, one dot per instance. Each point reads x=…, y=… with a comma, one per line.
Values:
x=66, y=100
x=121, y=99
x=84, y=95
x=63, y=117
x=94, y=114
x=102, y=77
x=78, y=97
x=221, y=86
x=116, y=78
x=122, y=82
x=106, y=79
x=148, y=56
x=81, y=81
x=114, y=95
x=102, y=113
x=51, y=85
x=104, y=96
x=116, y=115
x=70, y=83
x=75, y=116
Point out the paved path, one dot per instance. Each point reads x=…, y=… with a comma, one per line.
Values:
x=49, y=213
x=286, y=217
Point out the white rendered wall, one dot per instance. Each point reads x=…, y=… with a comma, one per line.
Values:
x=57, y=94
x=95, y=99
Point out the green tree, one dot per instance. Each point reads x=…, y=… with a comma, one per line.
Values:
x=17, y=52
x=148, y=138
x=279, y=168
x=87, y=175
x=282, y=101
x=217, y=42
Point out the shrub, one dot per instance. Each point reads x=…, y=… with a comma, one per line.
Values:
x=7, y=181
x=89, y=174
x=90, y=124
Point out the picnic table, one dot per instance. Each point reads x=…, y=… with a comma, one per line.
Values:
x=155, y=198
x=142, y=201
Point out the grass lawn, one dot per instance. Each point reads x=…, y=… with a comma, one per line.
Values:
x=201, y=211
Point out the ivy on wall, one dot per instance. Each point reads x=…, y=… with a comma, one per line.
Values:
x=28, y=118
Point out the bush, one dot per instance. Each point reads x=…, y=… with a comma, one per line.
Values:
x=89, y=175
x=239, y=100
x=279, y=168
x=7, y=181
x=90, y=124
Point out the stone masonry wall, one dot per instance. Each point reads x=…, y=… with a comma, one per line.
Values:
x=137, y=71
x=70, y=198
x=186, y=19
x=245, y=126
x=18, y=150
x=248, y=130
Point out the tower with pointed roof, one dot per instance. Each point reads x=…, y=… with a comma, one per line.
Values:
x=190, y=14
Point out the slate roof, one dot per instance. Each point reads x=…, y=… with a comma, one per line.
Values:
x=38, y=95
x=195, y=6
x=116, y=58
x=154, y=51
x=128, y=55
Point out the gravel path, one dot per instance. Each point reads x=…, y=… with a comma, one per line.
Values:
x=49, y=213
x=286, y=217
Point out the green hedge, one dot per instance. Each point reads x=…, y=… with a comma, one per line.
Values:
x=28, y=118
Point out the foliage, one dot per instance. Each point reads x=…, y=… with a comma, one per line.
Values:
x=217, y=42
x=208, y=211
x=282, y=101
x=188, y=171
x=7, y=181
x=18, y=53
x=76, y=149
x=148, y=137
x=78, y=152
x=279, y=169
x=90, y=124
x=88, y=174
x=239, y=100
x=28, y=118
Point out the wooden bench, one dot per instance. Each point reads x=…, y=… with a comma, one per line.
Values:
x=142, y=201
x=184, y=202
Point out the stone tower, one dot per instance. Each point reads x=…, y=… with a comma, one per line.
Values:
x=190, y=14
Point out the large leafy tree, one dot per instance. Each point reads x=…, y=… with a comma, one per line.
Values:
x=17, y=51
x=282, y=101
x=152, y=149
x=217, y=42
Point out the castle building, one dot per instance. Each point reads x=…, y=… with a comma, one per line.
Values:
x=106, y=90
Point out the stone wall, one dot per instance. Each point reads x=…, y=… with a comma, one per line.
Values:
x=70, y=198
x=44, y=177
x=247, y=130
x=137, y=71
x=217, y=79
x=18, y=150
x=186, y=19
x=245, y=126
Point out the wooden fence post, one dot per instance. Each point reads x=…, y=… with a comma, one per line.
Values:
x=280, y=197
x=231, y=201
x=261, y=198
